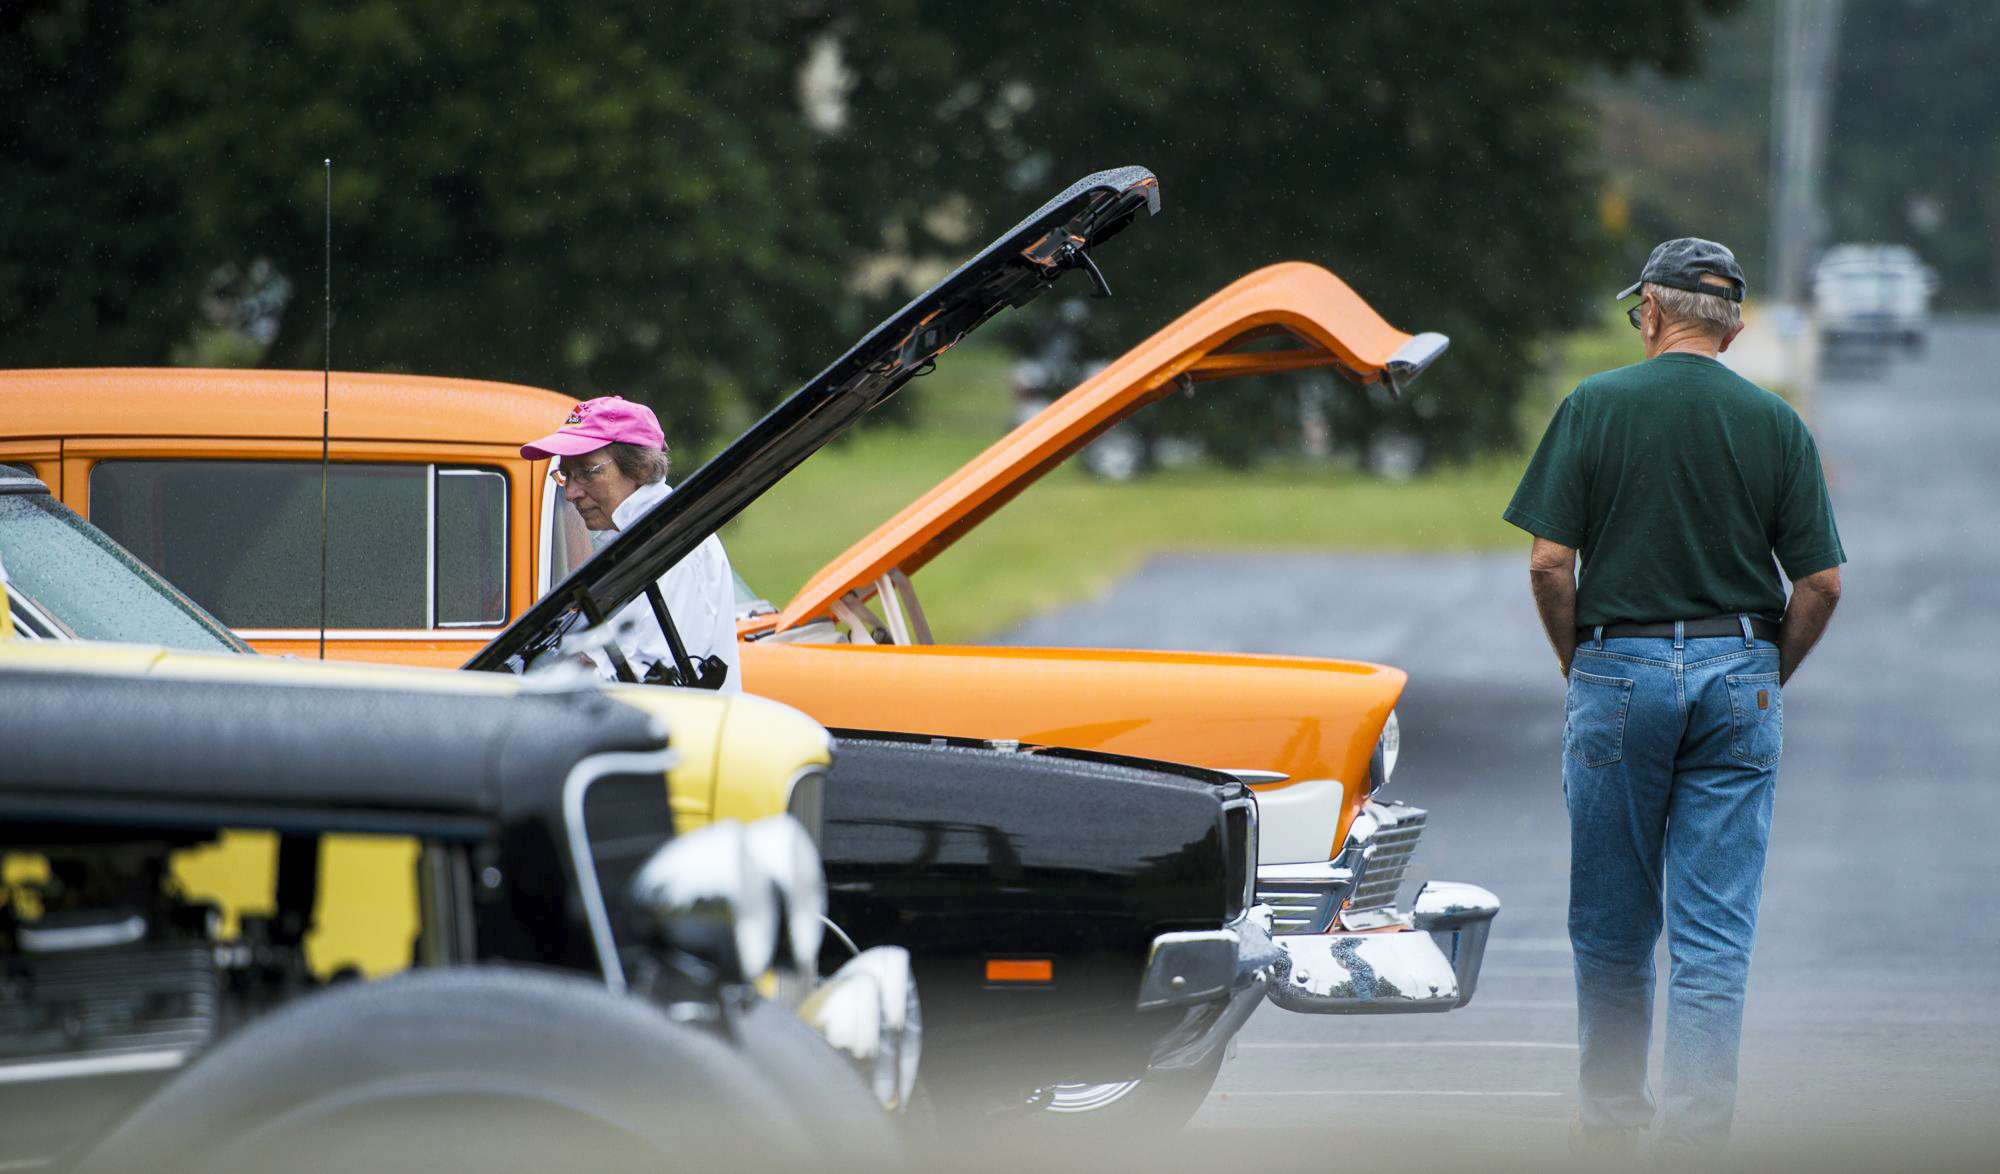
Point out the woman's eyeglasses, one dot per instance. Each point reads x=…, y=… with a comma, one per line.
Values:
x=562, y=477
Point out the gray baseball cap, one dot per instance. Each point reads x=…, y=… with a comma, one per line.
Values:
x=1679, y=264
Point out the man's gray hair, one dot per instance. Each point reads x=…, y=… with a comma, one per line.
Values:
x=641, y=464
x=1719, y=315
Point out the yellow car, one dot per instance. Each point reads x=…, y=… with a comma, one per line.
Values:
x=374, y=900
x=207, y=854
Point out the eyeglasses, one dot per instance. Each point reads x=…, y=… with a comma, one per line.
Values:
x=1632, y=312
x=562, y=477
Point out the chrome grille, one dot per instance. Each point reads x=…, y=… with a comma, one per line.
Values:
x=1298, y=908
x=1388, y=856
x=1304, y=897
x=1358, y=887
x=150, y=1004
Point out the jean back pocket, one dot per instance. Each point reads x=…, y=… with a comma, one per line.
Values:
x=1757, y=717
x=1594, y=718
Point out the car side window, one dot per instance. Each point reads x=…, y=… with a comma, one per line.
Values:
x=407, y=545
x=471, y=548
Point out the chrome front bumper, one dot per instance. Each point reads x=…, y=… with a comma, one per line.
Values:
x=1430, y=965
x=1219, y=976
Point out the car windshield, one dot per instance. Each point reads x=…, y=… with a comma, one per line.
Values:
x=748, y=602
x=91, y=585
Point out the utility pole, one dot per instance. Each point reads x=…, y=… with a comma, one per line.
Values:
x=1808, y=32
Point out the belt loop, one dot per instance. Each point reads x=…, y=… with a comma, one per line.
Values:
x=1597, y=635
x=1748, y=640
x=1680, y=635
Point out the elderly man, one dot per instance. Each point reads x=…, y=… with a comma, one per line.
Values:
x=1685, y=488
x=612, y=466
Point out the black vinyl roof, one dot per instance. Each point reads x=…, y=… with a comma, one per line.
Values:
x=90, y=747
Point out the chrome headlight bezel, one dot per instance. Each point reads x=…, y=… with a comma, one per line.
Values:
x=868, y=1011
x=705, y=895
x=783, y=850
x=1382, y=760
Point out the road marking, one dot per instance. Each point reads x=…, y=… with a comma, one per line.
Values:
x=1429, y=1043
x=1526, y=972
x=1390, y=1092
x=1522, y=1004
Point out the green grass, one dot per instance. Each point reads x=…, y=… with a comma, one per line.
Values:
x=1073, y=535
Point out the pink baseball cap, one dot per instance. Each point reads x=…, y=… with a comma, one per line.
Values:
x=594, y=423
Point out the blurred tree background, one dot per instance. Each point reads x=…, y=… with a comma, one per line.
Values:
x=1916, y=138
x=699, y=202
x=1913, y=152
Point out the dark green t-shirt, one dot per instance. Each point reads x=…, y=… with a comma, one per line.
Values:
x=1678, y=481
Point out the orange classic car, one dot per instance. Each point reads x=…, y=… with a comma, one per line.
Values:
x=440, y=536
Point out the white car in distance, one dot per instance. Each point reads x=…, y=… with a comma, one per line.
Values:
x=1865, y=293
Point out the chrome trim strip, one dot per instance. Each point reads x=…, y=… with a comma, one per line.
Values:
x=1412, y=358
x=35, y=939
x=1253, y=830
x=449, y=634
x=149, y=1061
x=581, y=776
x=548, y=529
x=47, y=627
x=430, y=546
x=1250, y=775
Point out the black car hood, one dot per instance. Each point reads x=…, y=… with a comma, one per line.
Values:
x=1012, y=270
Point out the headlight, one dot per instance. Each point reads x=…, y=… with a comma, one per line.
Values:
x=706, y=895
x=784, y=852
x=1382, y=763
x=868, y=1010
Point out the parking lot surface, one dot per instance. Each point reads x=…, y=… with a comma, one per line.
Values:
x=1873, y=1029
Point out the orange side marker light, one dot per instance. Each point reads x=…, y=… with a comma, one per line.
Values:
x=1020, y=970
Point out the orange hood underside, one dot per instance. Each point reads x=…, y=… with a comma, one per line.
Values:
x=1314, y=317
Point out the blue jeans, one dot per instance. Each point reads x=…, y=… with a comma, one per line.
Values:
x=1670, y=760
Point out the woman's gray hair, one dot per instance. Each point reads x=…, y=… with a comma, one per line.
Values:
x=641, y=464
x=1718, y=314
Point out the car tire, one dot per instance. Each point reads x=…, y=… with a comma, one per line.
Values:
x=463, y=1070
x=839, y=1111
x=1064, y=1119
x=1162, y=1102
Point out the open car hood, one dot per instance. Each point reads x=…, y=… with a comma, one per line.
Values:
x=1012, y=270
x=1287, y=317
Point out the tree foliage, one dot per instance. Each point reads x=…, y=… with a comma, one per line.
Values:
x=1915, y=154
x=605, y=197
x=1434, y=156
x=629, y=197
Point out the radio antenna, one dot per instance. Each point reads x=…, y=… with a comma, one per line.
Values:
x=325, y=402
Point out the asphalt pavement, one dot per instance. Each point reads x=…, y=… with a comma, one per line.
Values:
x=1872, y=1028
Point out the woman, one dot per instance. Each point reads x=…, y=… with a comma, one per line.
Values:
x=611, y=462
